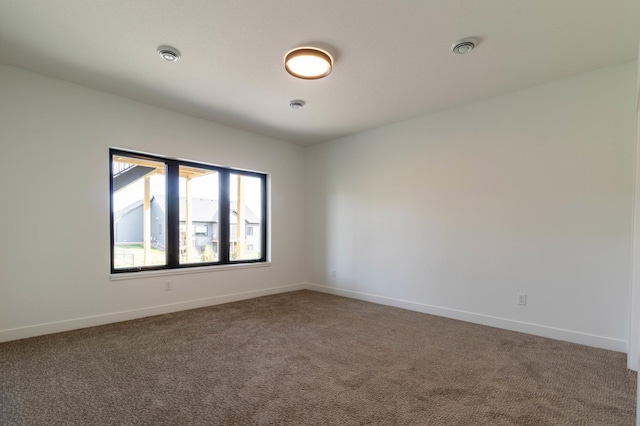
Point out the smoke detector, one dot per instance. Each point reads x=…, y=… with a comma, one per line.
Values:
x=296, y=103
x=169, y=54
x=464, y=45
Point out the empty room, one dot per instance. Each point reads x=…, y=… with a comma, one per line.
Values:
x=419, y=212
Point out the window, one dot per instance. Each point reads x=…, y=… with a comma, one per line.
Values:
x=208, y=212
x=245, y=191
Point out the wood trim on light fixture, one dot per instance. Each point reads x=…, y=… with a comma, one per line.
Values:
x=313, y=52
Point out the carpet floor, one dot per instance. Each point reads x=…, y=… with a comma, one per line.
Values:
x=307, y=358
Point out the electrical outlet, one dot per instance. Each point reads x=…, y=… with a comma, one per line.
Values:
x=333, y=273
x=168, y=286
x=522, y=298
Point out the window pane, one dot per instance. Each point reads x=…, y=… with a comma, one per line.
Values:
x=245, y=219
x=139, y=218
x=199, y=229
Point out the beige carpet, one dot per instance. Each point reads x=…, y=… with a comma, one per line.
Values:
x=307, y=358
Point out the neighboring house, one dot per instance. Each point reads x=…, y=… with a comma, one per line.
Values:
x=204, y=224
x=128, y=224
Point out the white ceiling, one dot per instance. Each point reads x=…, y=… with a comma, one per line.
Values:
x=392, y=58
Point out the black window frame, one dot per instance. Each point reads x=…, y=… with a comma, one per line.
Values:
x=172, y=194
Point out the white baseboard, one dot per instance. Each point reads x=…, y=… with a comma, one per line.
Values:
x=507, y=324
x=522, y=327
x=76, y=323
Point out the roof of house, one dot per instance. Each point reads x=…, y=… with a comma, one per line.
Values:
x=128, y=209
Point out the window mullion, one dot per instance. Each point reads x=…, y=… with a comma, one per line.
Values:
x=264, y=221
x=173, y=214
x=223, y=208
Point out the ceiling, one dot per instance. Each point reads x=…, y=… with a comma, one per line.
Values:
x=393, y=59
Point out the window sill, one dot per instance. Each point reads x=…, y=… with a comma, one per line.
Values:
x=185, y=271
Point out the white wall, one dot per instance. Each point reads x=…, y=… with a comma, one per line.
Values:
x=54, y=206
x=456, y=212
x=633, y=360
x=452, y=213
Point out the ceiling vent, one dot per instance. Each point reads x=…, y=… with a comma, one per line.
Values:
x=463, y=46
x=169, y=54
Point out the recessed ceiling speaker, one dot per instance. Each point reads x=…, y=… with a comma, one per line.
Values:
x=169, y=54
x=464, y=45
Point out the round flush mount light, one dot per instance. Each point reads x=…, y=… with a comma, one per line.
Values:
x=296, y=103
x=308, y=63
x=464, y=45
x=169, y=54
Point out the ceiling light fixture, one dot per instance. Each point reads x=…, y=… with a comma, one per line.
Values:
x=169, y=54
x=464, y=45
x=296, y=103
x=308, y=63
